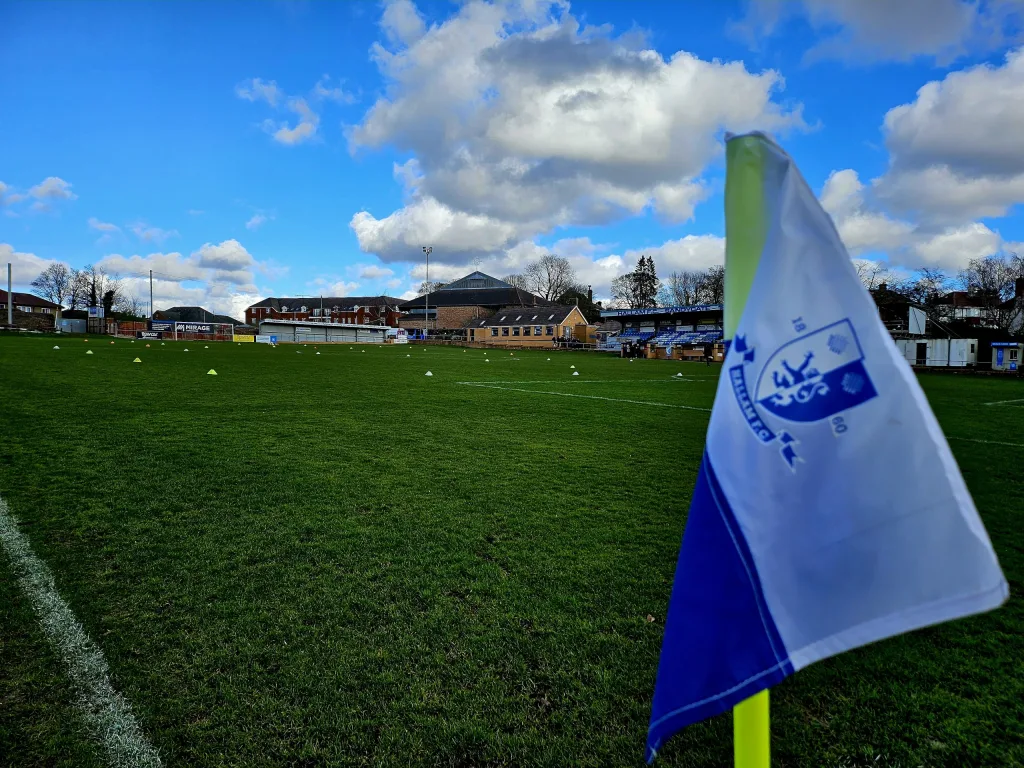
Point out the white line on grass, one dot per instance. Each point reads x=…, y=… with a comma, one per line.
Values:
x=106, y=711
x=1005, y=402
x=575, y=381
x=587, y=397
x=986, y=442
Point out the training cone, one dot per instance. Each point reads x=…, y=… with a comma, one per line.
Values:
x=486, y=360
x=211, y=372
x=85, y=340
x=147, y=346
x=88, y=352
x=205, y=347
x=429, y=373
x=408, y=355
x=318, y=353
x=186, y=349
x=575, y=373
x=136, y=360
x=571, y=367
x=679, y=375
x=111, y=342
x=163, y=343
x=55, y=346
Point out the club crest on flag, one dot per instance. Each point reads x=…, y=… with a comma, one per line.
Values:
x=812, y=378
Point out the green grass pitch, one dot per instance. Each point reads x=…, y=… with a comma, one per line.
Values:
x=335, y=560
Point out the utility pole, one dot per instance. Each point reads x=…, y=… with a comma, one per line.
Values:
x=10, y=297
x=427, y=249
x=151, y=294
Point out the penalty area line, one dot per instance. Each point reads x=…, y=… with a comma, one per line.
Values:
x=585, y=397
x=1007, y=402
x=107, y=713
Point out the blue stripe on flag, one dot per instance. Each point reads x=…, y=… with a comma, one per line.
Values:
x=721, y=644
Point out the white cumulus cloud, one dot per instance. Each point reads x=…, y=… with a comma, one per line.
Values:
x=521, y=121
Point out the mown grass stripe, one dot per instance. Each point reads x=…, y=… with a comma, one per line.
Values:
x=107, y=713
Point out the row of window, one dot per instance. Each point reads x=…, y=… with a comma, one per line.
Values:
x=528, y=330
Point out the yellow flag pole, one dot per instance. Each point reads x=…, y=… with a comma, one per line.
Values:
x=751, y=737
x=745, y=230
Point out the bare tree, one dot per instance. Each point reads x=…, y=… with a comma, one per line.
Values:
x=100, y=287
x=680, y=289
x=80, y=287
x=993, y=281
x=429, y=286
x=519, y=280
x=550, y=276
x=871, y=273
x=54, y=284
x=127, y=303
x=711, y=286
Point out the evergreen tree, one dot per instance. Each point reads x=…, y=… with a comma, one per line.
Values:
x=645, y=283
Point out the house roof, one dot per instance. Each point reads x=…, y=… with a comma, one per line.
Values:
x=473, y=297
x=26, y=300
x=475, y=280
x=313, y=302
x=192, y=315
x=474, y=290
x=543, y=315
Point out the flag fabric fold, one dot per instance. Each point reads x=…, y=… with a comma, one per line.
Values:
x=829, y=512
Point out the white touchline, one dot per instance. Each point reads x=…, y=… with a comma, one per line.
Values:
x=987, y=442
x=1004, y=402
x=106, y=711
x=587, y=397
x=575, y=381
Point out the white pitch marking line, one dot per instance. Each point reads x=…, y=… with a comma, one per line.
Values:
x=587, y=397
x=986, y=442
x=577, y=381
x=105, y=710
x=1004, y=402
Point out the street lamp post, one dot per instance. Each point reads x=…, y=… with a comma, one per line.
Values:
x=427, y=249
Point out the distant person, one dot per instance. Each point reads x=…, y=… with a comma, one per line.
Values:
x=708, y=352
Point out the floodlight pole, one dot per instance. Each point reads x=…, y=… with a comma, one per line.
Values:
x=10, y=297
x=151, y=294
x=427, y=249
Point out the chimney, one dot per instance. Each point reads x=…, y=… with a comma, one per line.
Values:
x=590, y=292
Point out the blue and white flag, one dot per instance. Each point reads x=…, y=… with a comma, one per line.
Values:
x=829, y=512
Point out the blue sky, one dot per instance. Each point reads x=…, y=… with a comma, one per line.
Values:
x=298, y=148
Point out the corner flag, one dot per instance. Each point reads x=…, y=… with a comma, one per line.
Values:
x=829, y=512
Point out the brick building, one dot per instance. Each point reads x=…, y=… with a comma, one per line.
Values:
x=28, y=303
x=349, y=310
x=30, y=312
x=532, y=327
x=471, y=298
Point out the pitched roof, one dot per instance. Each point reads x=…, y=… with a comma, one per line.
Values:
x=192, y=315
x=543, y=315
x=26, y=300
x=475, y=280
x=473, y=297
x=313, y=302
